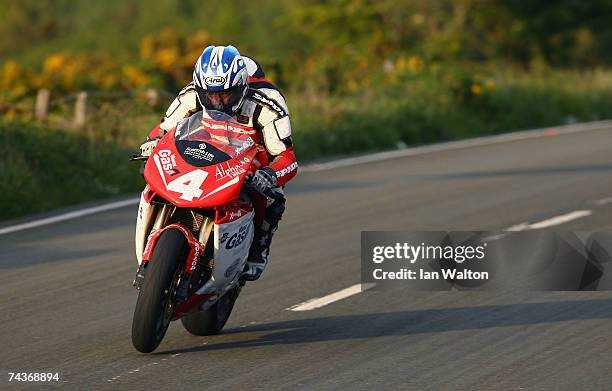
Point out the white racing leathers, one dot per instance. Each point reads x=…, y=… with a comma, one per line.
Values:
x=264, y=109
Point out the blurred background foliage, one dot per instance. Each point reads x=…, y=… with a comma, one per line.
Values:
x=324, y=47
x=359, y=75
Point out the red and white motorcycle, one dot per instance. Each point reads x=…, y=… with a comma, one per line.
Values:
x=194, y=227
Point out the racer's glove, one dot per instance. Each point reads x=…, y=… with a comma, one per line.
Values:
x=263, y=180
x=148, y=146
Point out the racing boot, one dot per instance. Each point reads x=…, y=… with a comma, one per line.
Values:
x=262, y=237
x=258, y=254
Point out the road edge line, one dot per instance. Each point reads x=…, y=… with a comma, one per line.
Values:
x=69, y=216
x=459, y=144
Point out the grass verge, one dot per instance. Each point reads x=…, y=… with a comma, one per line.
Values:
x=42, y=169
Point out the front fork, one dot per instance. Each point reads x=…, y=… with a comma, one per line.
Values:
x=161, y=220
x=150, y=219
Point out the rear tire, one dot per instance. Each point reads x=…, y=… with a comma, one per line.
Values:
x=154, y=306
x=212, y=320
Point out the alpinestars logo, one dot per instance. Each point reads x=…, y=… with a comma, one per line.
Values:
x=270, y=103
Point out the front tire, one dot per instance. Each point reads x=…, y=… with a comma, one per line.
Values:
x=154, y=306
x=212, y=320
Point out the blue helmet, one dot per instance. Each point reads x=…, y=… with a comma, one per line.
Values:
x=221, y=79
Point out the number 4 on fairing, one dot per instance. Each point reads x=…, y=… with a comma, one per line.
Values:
x=188, y=185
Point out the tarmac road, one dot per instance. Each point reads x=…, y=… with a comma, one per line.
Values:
x=66, y=298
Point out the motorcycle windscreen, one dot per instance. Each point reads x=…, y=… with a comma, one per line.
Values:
x=209, y=137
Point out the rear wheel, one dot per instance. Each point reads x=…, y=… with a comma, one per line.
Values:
x=155, y=302
x=212, y=320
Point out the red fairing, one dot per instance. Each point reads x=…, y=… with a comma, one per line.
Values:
x=232, y=212
x=285, y=165
x=171, y=177
x=155, y=133
x=148, y=194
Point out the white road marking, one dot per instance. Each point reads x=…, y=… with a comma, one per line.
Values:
x=325, y=300
x=553, y=221
x=461, y=144
x=603, y=201
x=69, y=216
x=494, y=237
x=136, y=370
x=518, y=227
x=562, y=219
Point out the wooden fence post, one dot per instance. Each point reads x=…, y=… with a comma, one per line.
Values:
x=80, y=110
x=42, y=104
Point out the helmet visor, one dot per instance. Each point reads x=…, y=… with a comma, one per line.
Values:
x=222, y=101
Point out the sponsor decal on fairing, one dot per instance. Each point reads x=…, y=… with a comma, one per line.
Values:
x=232, y=241
x=237, y=238
x=199, y=153
x=236, y=214
x=245, y=145
x=196, y=255
x=225, y=170
x=168, y=161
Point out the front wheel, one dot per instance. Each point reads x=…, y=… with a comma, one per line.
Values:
x=212, y=320
x=155, y=305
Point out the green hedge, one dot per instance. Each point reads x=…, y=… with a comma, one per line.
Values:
x=429, y=108
x=42, y=169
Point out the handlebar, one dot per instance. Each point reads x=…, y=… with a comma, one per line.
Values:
x=137, y=157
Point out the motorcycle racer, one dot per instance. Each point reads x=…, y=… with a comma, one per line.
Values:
x=225, y=81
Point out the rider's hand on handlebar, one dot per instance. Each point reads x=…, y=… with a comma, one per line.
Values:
x=148, y=146
x=263, y=181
